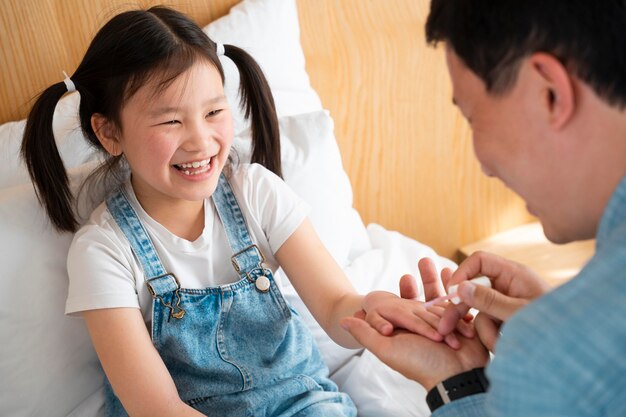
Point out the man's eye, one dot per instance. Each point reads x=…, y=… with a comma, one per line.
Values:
x=170, y=122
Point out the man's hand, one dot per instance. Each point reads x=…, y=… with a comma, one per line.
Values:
x=514, y=286
x=417, y=357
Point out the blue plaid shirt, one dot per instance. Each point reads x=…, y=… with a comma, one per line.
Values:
x=565, y=353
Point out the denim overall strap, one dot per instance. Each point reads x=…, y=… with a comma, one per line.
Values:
x=247, y=255
x=157, y=279
x=240, y=349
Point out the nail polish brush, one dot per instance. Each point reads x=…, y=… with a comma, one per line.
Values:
x=453, y=297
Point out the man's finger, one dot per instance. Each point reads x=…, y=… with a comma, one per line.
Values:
x=365, y=334
x=430, y=280
x=488, y=331
x=361, y=314
x=446, y=276
x=380, y=323
x=408, y=287
x=450, y=318
x=490, y=301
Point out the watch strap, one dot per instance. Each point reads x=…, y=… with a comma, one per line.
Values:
x=456, y=387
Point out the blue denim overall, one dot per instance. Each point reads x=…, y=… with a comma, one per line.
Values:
x=236, y=349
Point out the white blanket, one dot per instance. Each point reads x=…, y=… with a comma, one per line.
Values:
x=381, y=257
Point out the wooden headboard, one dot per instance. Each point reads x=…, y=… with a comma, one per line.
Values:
x=405, y=147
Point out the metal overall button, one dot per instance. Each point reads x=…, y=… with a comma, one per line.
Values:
x=261, y=283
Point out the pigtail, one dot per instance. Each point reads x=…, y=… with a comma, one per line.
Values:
x=258, y=105
x=45, y=166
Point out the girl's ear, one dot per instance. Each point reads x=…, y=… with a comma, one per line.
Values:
x=106, y=133
x=559, y=98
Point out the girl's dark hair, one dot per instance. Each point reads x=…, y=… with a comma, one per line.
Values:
x=130, y=49
x=493, y=36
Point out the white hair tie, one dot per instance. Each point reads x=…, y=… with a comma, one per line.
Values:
x=219, y=48
x=69, y=84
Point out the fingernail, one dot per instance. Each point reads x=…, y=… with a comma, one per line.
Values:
x=452, y=290
x=467, y=290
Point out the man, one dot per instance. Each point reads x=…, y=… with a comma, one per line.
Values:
x=543, y=86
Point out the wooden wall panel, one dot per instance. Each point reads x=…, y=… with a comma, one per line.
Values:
x=404, y=145
x=41, y=38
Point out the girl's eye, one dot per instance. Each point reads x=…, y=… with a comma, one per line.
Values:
x=214, y=113
x=170, y=122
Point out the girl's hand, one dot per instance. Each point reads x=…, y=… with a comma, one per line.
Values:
x=410, y=314
x=385, y=311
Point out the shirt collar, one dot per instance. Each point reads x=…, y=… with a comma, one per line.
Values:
x=614, y=214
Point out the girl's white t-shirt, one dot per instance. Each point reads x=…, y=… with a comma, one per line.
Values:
x=104, y=273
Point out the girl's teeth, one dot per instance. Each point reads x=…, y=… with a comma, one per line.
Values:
x=197, y=172
x=195, y=164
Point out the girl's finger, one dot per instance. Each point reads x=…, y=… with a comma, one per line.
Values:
x=428, y=317
x=437, y=310
x=418, y=321
x=379, y=323
x=466, y=329
x=408, y=287
x=452, y=341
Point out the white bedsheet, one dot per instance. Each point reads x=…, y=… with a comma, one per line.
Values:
x=381, y=258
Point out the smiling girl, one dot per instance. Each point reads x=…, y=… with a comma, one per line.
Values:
x=173, y=273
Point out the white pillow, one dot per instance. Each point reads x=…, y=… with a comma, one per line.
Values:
x=73, y=147
x=48, y=365
x=312, y=168
x=268, y=29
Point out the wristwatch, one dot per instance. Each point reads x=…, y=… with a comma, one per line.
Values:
x=459, y=386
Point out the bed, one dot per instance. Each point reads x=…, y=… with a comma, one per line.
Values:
x=370, y=140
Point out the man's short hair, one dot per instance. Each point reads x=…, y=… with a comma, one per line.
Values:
x=493, y=36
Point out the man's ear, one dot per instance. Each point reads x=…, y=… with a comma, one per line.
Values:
x=558, y=98
x=107, y=134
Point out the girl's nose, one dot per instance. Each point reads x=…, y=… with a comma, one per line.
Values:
x=198, y=137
